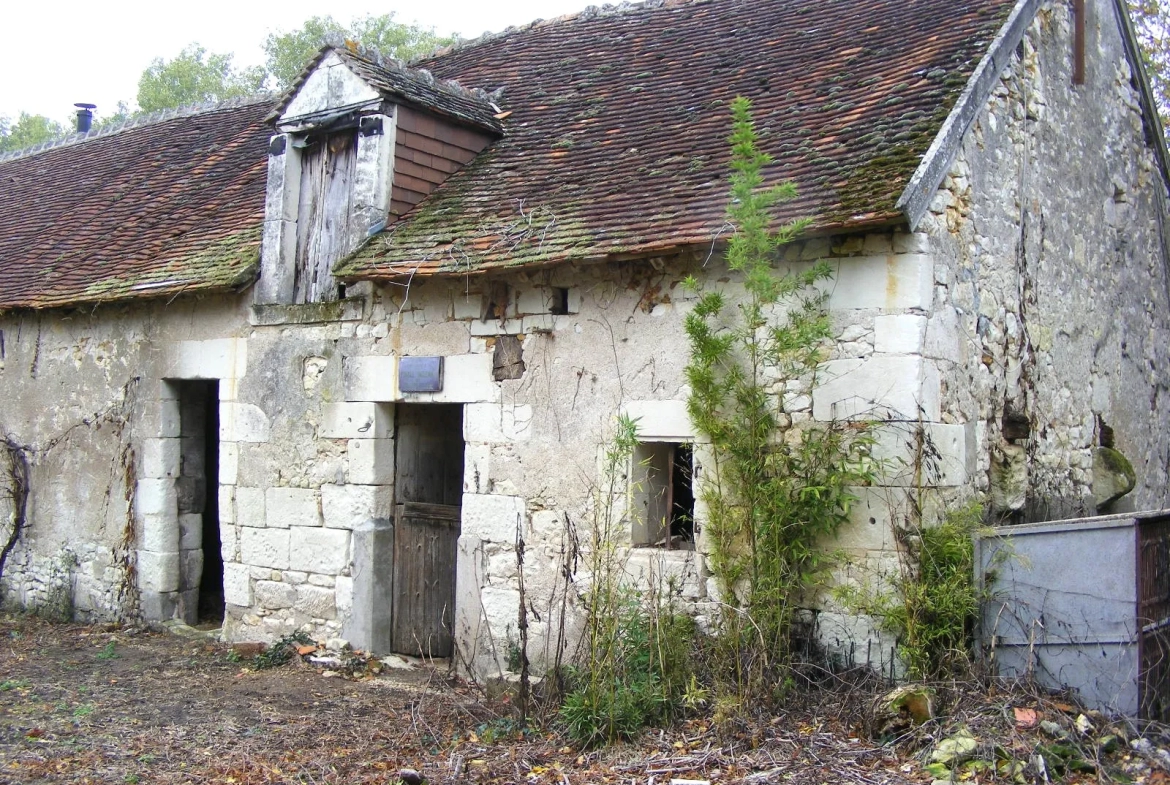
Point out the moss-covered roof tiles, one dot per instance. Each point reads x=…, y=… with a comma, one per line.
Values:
x=616, y=141
x=165, y=208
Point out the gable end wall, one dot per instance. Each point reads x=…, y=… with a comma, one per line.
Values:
x=1052, y=287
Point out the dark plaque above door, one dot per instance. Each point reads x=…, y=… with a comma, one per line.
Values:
x=420, y=374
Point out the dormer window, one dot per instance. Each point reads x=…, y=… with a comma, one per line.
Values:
x=324, y=212
x=351, y=120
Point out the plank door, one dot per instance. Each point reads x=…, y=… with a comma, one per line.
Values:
x=323, y=231
x=428, y=484
x=425, y=540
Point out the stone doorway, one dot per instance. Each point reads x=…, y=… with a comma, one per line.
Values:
x=201, y=600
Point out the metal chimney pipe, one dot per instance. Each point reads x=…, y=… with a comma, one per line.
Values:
x=84, y=117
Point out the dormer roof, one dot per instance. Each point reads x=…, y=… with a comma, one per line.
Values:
x=397, y=83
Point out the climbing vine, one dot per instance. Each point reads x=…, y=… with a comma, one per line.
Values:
x=15, y=473
x=775, y=487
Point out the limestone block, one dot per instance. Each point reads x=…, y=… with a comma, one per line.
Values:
x=227, y=504
x=467, y=378
x=219, y=358
x=160, y=458
x=158, y=571
x=944, y=338
x=948, y=453
x=529, y=301
x=361, y=420
x=161, y=418
x=318, y=550
x=286, y=507
x=489, y=422
x=371, y=461
x=242, y=422
x=159, y=532
x=876, y=244
x=492, y=517
x=155, y=496
x=343, y=592
x=295, y=577
x=892, y=283
x=190, y=569
x=476, y=463
x=1113, y=476
x=661, y=420
x=265, y=547
x=229, y=463
x=870, y=526
x=901, y=388
x=274, y=595
x=370, y=378
x=899, y=333
x=347, y=506
x=547, y=526
x=1009, y=478
x=190, y=531
x=250, y=507
x=468, y=305
x=237, y=584
x=651, y=569
x=229, y=542
x=914, y=242
x=158, y=606
x=316, y=602
x=501, y=607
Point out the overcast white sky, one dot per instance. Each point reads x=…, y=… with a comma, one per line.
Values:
x=58, y=52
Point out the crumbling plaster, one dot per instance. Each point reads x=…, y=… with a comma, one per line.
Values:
x=1051, y=279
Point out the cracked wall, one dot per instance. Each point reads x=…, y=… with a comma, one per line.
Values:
x=1051, y=286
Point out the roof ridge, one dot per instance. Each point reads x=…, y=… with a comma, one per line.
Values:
x=388, y=63
x=137, y=121
x=589, y=12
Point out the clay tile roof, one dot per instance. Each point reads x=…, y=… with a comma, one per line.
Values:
x=156, y=209
x=617, y=139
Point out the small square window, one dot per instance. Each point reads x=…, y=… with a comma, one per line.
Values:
x=663, y=496
x=558, y=301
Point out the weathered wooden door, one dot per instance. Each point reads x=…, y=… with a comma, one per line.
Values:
x=323, y=232
x=429, y=488
x=425, y=540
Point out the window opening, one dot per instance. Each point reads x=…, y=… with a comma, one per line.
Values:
x=560, y=302
x=663, y=496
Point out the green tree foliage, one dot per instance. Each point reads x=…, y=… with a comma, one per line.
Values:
x=777, y=488
x=288, y=52
x=1152, y=20
x=195, y=76
x=28, y=130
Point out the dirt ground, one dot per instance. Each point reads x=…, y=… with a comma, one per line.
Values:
x=83, y=704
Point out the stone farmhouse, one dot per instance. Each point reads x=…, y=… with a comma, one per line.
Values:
x=321, y=361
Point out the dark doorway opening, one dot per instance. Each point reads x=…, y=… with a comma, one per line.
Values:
x=201, y=559
x=428, y=494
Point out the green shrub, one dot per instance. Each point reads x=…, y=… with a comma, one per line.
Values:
x=932, y=602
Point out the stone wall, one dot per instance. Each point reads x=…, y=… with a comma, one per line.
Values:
x=1051, y=281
